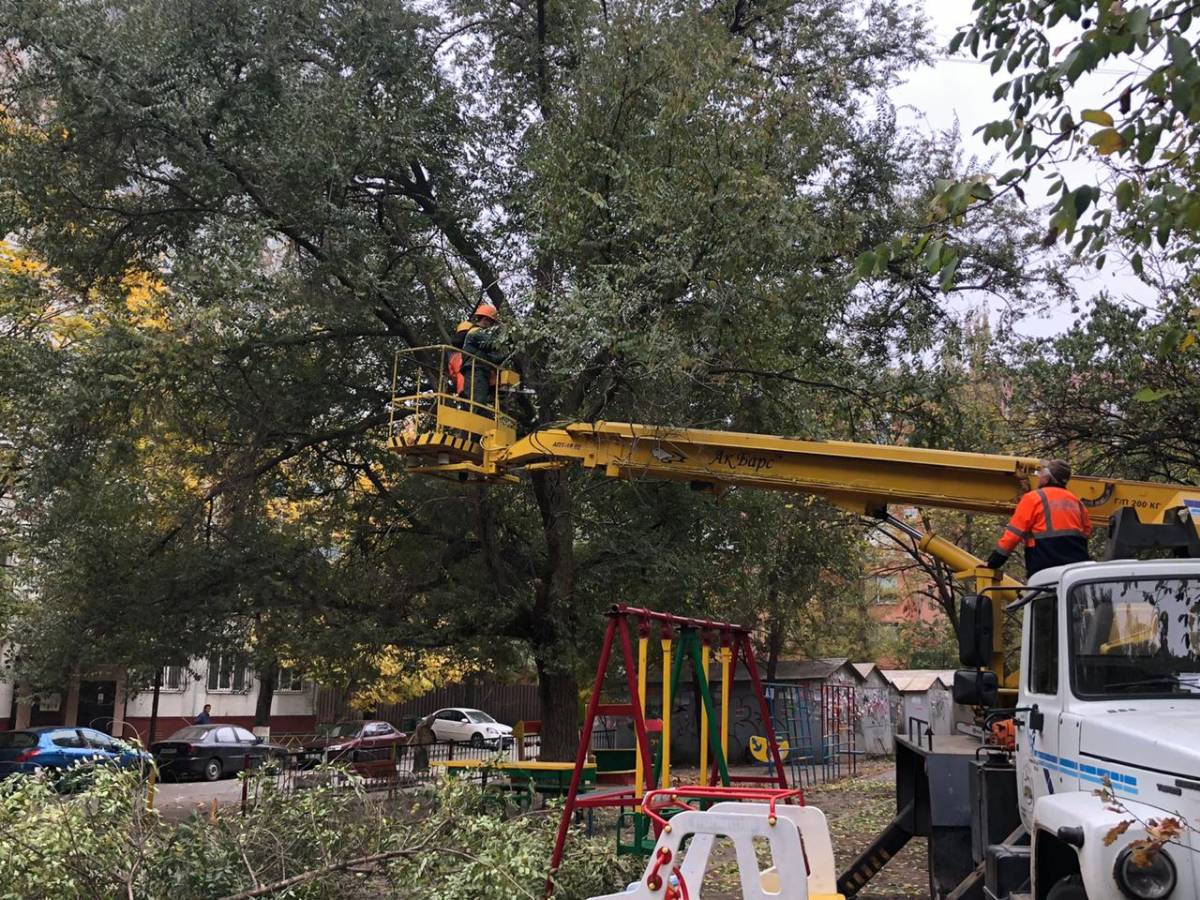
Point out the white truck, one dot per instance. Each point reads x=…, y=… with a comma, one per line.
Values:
x=1109, y=729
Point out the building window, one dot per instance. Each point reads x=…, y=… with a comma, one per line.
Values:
x=289, y=681
x=886, y=589
x=173, y=678
x=226, y=673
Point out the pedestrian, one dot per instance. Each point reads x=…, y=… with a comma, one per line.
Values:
x=1051, y=522
x=205, y=715
x=421, y=740
x=482, y=345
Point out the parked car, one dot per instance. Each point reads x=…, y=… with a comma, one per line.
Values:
x=354, y=742
x=212, y=751
x=61, y=748
x=470, y=725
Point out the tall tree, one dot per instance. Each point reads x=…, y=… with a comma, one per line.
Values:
x=665, y=203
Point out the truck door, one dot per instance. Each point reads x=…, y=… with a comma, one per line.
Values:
x=1042, y=770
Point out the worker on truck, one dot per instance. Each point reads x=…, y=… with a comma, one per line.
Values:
x=1050, y=521
x=483, y=342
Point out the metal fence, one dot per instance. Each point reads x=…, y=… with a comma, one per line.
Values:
x=819, y=725
x=375, y=770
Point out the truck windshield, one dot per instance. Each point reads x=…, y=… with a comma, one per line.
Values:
x=1136, y=637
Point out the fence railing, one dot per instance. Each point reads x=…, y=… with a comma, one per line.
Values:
x=376, y=769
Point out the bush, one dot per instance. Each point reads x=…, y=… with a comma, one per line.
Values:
x=444, y=844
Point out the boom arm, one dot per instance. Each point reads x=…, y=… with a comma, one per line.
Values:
x=863, y=478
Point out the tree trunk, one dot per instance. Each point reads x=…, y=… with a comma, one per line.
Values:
x=266, y=693
x=154, y=707
x=552, y=626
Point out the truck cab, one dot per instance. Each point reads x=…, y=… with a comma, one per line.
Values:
x=1108, y=729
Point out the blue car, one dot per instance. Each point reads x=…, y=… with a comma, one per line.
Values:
x=61, y=748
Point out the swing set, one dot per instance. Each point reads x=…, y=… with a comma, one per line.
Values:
x=680, y=638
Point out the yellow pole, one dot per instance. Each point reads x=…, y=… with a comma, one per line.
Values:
x=726, y=689
x=151, y=786
x=639, y=777
x=705, y=652
x=666, y=713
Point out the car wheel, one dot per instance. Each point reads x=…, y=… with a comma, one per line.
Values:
x=212, y=769
x=1068, y=889
x=477, y=740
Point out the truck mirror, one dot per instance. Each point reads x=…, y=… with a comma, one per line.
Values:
x=975, y=630
x=976, y=687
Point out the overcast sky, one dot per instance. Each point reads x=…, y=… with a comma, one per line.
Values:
x=962, y=88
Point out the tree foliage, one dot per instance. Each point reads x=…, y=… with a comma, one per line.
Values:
x=664, y=201
x=1140, y=138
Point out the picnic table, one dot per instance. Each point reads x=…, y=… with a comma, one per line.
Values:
x=523, y=778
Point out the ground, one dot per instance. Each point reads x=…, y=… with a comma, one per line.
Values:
x=857, y=809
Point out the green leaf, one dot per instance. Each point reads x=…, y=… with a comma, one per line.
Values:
x=1124, y=195
x=948, y=274
x=1150, y=395
x=865, y=264
x=1096, y=117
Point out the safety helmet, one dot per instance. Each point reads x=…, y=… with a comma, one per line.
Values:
x=486, y=309
x=462, y=326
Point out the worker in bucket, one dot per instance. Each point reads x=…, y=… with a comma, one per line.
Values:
x=454, y=365
x=483, y=342
x=1050, y=521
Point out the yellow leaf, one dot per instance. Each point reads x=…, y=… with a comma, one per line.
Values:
x=1097, y=117
x=1107, y=141
x=1188, y=340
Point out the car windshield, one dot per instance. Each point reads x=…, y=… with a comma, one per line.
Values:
x=1136, y=637
x=476, y=715
x=191, y=733
x=344, y=729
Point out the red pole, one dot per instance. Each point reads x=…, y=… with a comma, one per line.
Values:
x=768, y=725
x=639, y=715
x=585, y=739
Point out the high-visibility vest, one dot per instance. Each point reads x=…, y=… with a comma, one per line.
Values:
x=1052, y=524
x=454, y=365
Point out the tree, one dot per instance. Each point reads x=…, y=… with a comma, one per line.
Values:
x=1140, y=139
x=316, y=187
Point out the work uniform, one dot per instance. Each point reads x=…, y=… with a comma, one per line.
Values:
x=484, y=344
x=454, y=364
x=1054, y=526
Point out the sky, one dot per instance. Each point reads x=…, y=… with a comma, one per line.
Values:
x=961, y=88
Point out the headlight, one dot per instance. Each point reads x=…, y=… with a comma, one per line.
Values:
x=1149, y=882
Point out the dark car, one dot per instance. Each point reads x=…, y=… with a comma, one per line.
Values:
x=62, y=748
x=356, y=742
x=212, y=751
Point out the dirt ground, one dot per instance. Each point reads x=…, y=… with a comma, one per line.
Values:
x=857, y=810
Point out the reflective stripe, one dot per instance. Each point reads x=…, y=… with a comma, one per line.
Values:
x=1021, y=534
x=1062, y=532
x=1047, y=519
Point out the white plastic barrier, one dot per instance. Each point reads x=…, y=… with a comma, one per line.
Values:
x=801, y=850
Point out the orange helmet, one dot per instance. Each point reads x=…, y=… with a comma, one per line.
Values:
x=486, y=309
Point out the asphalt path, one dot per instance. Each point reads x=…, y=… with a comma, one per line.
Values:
x=179, y=800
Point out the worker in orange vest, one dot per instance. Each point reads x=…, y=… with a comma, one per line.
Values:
x=483, y=342
x=454, y=364
x=1050, y=521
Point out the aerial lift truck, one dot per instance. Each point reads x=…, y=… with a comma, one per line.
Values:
x=1095, y=793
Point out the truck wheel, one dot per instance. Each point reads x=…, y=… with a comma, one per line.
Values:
x=1070, y=888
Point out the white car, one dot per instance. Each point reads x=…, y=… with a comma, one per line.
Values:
x=472, y=726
